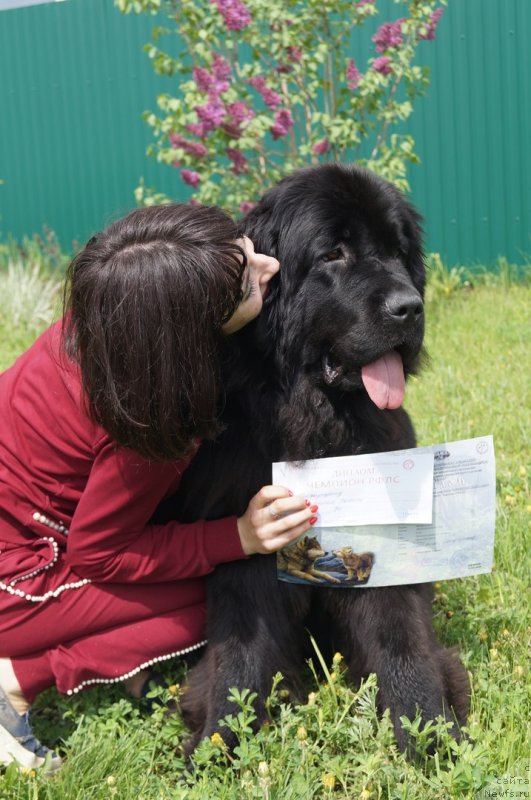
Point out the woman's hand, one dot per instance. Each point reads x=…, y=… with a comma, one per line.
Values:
x=274, y=517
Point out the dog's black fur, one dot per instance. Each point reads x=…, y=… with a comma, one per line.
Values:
x=349, y=290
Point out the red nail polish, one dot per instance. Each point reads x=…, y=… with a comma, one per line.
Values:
x=313, y=520
x=313, y=509
x=307, y=502
x=290, y=493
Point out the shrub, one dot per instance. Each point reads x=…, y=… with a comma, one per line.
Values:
x=266, y=86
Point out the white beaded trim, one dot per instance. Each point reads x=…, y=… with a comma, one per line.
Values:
x=145, y=665
x=50, y=523
x=34, y=572
x=40, y=598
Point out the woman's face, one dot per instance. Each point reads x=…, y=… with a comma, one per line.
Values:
x=259, y=271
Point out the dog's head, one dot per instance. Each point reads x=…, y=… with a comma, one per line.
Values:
x=362, y=561
x=312, y=547
x=346, y=307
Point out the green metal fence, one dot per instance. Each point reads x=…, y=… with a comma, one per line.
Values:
x=74, y=81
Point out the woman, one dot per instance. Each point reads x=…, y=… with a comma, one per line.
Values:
x=99, y=420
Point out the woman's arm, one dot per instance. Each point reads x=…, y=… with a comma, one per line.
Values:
x=110, y=537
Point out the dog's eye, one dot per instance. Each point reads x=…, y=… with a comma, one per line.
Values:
x=334, y=255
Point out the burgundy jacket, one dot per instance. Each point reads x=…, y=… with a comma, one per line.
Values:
x=73, y=504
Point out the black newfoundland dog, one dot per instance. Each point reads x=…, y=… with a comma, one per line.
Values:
x=319, y=373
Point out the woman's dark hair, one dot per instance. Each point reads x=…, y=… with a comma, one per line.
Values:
x=144, y=305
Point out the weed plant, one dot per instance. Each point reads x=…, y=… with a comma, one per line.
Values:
x=31, y=274
x=42, y=249
x=333, y=745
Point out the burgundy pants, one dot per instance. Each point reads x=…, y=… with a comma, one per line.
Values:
x=99, y=633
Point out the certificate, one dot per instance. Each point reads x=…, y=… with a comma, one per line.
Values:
x=364, y=490
x=458, y=541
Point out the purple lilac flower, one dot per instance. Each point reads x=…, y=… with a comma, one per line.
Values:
x=362, y=3
x=190, y=177
x=195, y=149
x=388, y=35
x=236, y=15
x=294, y=55
x=211, y=114
x=257, y=82
x=198, y=129
x=270, y=98
x=382, y=65
x=203, y=79
x=245, y=207
x=221, y=68
x=432, y=24
x=215, y=82
x=320, y=148
x=218, y=88
x=239, y=111
x=239, y=162
x=353, y=75
x=283, y=122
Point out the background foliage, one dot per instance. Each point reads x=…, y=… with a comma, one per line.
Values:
x=266, y=86
x=74, y=148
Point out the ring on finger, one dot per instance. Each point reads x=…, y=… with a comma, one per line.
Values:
x=273, y=513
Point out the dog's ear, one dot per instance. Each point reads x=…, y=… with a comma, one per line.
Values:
x=259, y=226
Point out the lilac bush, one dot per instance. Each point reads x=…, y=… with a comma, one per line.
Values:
x=261, y=87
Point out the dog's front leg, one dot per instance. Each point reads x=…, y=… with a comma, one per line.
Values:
x=253, y=631
x=389, y=631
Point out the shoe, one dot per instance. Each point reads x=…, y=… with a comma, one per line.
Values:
x=17, y=742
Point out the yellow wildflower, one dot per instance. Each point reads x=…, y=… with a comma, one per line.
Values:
x=217, y=740
x=28, y=772
x=329, y=780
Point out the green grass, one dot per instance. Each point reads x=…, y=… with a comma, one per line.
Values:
x=30, y=292
x=334, y=746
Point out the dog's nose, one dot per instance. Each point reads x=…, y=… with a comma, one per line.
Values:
x=404, y=306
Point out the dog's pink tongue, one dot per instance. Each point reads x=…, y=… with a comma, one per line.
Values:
x=384, y=380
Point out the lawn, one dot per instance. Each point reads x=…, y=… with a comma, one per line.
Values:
x=333, y=746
